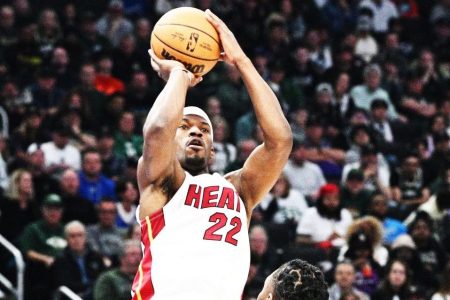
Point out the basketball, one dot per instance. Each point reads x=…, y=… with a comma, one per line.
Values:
x=184, y=34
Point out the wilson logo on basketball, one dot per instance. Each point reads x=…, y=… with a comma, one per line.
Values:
x=192, y=68
x=192, y=42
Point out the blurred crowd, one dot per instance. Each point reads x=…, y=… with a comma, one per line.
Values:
x=365, y=85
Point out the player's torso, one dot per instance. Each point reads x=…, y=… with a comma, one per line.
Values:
x=201, y=247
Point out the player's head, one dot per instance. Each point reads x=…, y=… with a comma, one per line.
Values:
x=295, y=279
x=194, y=139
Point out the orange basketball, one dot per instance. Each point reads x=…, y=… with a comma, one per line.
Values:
x=184, y=34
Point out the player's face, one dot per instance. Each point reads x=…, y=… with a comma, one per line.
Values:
x=267, y=291
x=194, y=143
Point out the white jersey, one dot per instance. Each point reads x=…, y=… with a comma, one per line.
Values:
x=197, y=245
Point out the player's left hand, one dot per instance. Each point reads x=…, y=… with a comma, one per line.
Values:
x=233, y=53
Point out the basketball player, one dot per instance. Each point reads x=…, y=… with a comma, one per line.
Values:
x=194, y=225
x=294, y=280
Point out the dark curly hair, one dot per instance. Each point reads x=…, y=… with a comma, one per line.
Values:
x=298, y=279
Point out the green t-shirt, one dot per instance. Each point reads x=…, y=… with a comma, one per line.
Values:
x=128, y=146
x=113, y=284
x=39, y=237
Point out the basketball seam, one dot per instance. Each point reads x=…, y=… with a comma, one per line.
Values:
x=191, y=28
x=200, y=58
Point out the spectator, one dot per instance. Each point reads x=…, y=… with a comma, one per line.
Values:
x=92, y=43
x=382, y=11
x=304, y=175
x=439, y=159
x=8, y=34
x=113, y=165
x=93, y=185
x=283, y=204
x=364, y=94
x=75, y=206
x=326, y=224
x=140, y=94
x=344, y=280
x=224, y=152
x=104, y=237
x=48, y=31
x=60, y=63
x=396, y=284
x=104, y=81
x=127, y=143
x=245, y=147
x=366, y=46
x=77, y=267
x=113, y=24
x=126, y=55
x=126, y=207
x=378, y=208
x=41, y=242
x=19, y=207
x=59, y=153
x=43, y=182
x=353, y=195
x=116, y=283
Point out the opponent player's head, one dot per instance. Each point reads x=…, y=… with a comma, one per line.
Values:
x=194, y=140
x=295, y=279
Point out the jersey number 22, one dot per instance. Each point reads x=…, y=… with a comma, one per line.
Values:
x=220, y=220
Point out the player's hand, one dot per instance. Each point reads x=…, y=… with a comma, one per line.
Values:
x=165, y=67
x=233, y=53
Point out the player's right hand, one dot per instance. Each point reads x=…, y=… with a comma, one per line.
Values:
x=164, y=68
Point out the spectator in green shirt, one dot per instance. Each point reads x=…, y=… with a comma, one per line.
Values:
x=40, y=243
x=116, y=283
x=127, y=143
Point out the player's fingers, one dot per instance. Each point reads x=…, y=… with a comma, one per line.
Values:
x=155, y=66
x=217, y=22
x=153, y=56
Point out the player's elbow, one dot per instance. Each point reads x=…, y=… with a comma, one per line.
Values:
x=282, y=141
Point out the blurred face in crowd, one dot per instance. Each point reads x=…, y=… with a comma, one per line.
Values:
x=372, y=80
x=323, y=98
x=415, y=86
x=361, y=138
x=426, y=59
x=87, y=75
x=107, y=213
x=315, y=133
x=302, y=55
x=260, y=61
x=379, y=114
x=345, y=275
x=37, y=159
x=410, y=166
x=281, y=187
x=46, y=84
x=331, y=201
x=397, y=275
x=213, y=107
x=6, y=17
x=369, y=159
x=26, y=183
x=258, y=241
x=245, y=148
x=48, y=19
x=60, y=140
x=379, y=206
x=60, y=57
x=92, y=164
x=105, y=145
x=139, y=81
x=298, y=155
x=392, y=41
x=354, y=185
x=130, y=194
x=342, y=84
x=127, y=124
x=128, y=45
x=130, y=261
x=105, y=65
x=438, y=125
x=143, y=29
x=76, y=238
x=70, y=182
x=220, y=131
x=421, y=231
x=52, y=214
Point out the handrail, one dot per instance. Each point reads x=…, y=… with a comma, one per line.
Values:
x=66, y=292
x=20, y=265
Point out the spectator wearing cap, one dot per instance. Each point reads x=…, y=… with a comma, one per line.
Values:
x=44, y=94
x=382, y=11
x=379, y=208
x=325, y=108
x=94, y=186
x=113, y=24
x=368, y=272
x=344, y=280
x=353, y=195
x=360, y=136
x=303, y=175
x=376, y=171
x=325, y=224
x=59, y=153
x=408, y=187
x=366, y=46
x=40, y=243
x=364, y=94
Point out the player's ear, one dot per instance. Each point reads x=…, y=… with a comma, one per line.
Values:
x=212, y=153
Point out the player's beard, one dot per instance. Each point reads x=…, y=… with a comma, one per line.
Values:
x=195, y=164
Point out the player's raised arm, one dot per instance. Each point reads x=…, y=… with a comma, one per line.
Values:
x=158, y=159
x=265, y=164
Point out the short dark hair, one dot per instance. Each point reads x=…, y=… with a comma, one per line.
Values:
x=298, y=279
